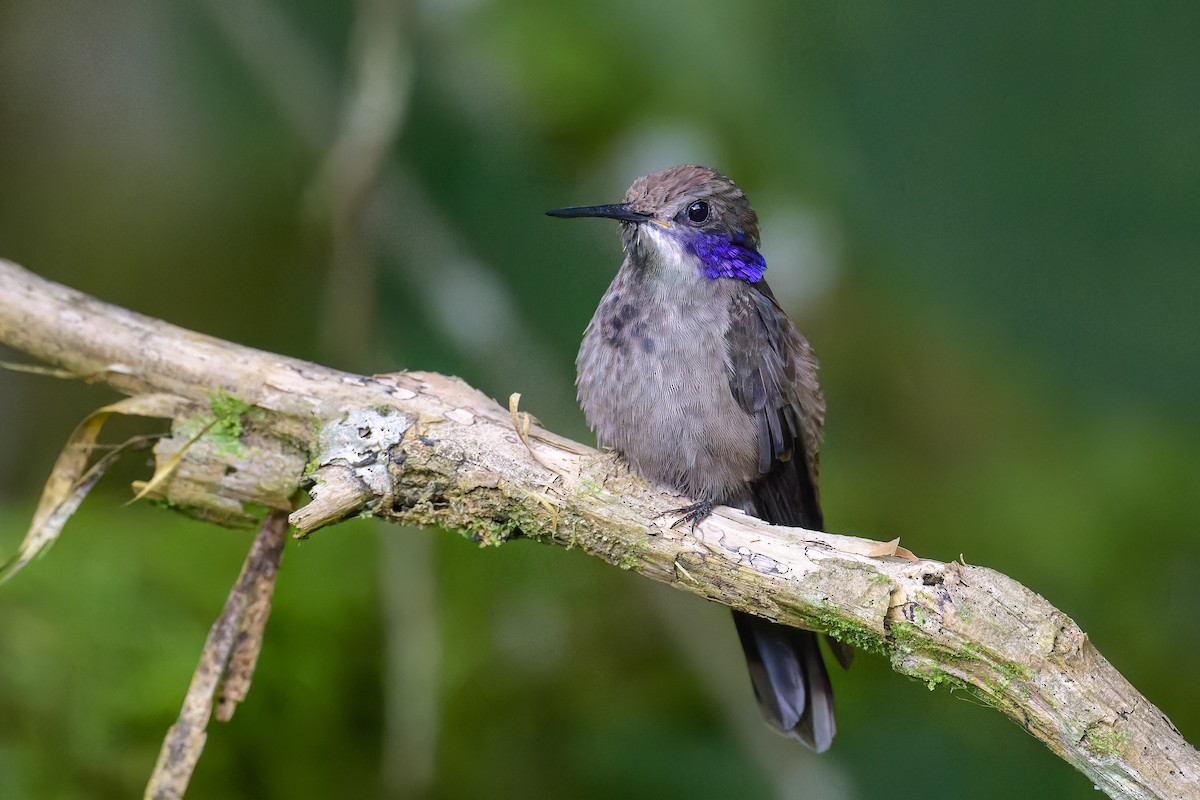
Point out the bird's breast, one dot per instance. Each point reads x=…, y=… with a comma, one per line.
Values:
x=653, y=383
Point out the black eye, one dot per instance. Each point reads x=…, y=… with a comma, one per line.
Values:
x=698, y=212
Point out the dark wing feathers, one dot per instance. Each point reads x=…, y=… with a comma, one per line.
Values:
x=760, y=366
x=764, y=354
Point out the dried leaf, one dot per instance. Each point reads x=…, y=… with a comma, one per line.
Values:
x=891, y=548
x=874, y=549
x=167, y=467
x=521, y=423
x=38, y=369
x=71, y=479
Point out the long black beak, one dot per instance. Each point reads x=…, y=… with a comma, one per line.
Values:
x=620, y=211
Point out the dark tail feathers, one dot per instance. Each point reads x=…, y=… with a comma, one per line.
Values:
x=789, y=679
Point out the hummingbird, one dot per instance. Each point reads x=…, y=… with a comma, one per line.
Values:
x=692, y=371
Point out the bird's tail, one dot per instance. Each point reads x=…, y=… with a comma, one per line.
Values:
x=789, y=679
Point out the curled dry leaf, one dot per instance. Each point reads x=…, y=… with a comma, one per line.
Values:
x=38, y=369
x=167, y=467
x=872, y=548
x=71, y=478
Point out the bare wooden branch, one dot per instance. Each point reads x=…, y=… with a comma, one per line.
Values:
x=420, y=448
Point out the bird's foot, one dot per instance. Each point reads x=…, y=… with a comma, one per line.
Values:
x=694, y=514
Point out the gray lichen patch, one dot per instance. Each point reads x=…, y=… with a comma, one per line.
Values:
x=365, y=440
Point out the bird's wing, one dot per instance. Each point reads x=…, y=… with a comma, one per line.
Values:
x=773, y=376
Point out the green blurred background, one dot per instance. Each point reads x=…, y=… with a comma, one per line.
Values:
x=985, y=219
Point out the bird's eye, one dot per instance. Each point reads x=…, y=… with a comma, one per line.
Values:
x=698, y=212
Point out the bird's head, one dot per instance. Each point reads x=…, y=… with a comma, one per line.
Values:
x=687, y=217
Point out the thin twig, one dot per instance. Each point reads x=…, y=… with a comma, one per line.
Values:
x=229, y=655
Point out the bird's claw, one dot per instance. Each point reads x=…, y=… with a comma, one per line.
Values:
x=694, y=514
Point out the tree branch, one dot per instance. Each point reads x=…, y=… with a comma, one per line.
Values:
x=226, y=663
x=420, y=448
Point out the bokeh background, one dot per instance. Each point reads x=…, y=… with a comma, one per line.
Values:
x=985, y=219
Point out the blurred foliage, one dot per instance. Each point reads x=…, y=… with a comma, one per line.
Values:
x=984, y=219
